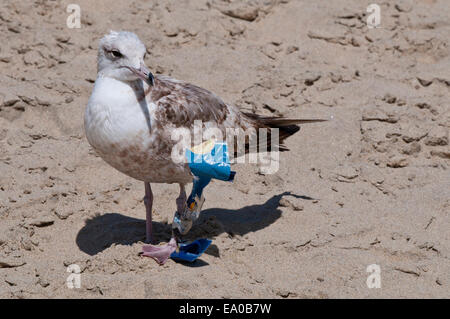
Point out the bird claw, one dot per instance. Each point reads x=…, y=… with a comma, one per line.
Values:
x=160, y=253
x=182, y=223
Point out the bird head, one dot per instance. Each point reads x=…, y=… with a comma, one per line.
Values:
x=121, y=56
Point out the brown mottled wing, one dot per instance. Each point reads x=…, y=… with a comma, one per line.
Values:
x=180, y=104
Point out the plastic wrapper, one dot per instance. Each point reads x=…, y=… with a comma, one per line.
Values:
x=207, y=161
x=210, y=160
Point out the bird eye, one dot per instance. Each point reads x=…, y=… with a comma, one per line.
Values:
x=116, y=53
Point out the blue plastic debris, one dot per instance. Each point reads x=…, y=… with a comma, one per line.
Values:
x=207, y=161
x=197, y=189
x=210, y=160
x=190, y=252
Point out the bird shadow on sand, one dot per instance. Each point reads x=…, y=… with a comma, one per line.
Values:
x=102, y=231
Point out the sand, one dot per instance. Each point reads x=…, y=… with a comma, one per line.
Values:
x=372, y=186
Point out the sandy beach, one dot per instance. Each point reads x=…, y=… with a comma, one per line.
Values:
x=369, y=187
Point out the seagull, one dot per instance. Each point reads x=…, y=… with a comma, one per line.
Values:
x=131, y=115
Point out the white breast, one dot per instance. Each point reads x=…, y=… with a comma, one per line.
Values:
x=120, y=126
x=113, y=114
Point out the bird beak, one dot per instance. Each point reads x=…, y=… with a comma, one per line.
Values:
x=143, y=73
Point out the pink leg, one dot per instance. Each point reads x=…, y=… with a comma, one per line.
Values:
x=158, y=253
x=148, y=201
x=181, y=200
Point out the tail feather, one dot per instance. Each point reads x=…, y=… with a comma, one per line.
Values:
x=277, y=121
x=286, y=126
